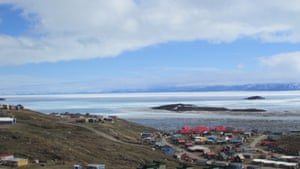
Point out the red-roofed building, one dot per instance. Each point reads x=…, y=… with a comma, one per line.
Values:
x=200, y=129
x=188, y=144
x=185, y=129
x=238, y=131
x=181, y=141
x=219, y=129
x=6, y=156
x=210, y=155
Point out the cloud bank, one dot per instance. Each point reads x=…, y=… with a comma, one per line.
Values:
x=68, y=30
x=285, y=64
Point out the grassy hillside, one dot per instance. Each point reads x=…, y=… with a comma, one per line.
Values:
x=62, y=143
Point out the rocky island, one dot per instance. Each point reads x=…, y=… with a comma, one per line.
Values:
x=190, y=107
x=255, y=98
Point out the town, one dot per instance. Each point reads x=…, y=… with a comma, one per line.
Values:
x=226, y=147
x=194, y=147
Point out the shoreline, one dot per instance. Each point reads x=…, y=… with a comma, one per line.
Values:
x=272, y=115
x=262, y=125
x=265, y=121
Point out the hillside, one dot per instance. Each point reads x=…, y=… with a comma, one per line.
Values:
x=62, y=143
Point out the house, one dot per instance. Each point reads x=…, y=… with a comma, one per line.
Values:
x=114, y=118
x=210, y=155
x=219, y=129
x=230, y=135
x=4, y=157
x=19, y=107
x=77, y=167
x=7, y=120
x=91, y=120
x=212, y=138
x=184, y=166
x=188, y=144
x=153, y=165
x=5, y=106
x=176, y=137
x=265, y=162
x=199, y=140
x=199, y=148
x=95, y=166
x=221, y=141
x=168, y=150
x=238, y=157
x=147, y=137
x=181, y=141
x=248, y=155
x=248, y=134
x=294, y=132
x=268, y=143
x=109, y=119
x=253, y=167
x=186, y=157
x=235, y=141
x=16, y=162
x=216, y=164
x=201, y=162
x=222, y=156
x=235, y=166
x=249, y=150
x=158, y=144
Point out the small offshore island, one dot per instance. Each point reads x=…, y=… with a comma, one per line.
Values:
x=255, y=98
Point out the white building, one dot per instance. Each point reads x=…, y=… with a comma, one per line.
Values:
x=7, y=120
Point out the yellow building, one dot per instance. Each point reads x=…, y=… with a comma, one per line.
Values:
x=17, y=162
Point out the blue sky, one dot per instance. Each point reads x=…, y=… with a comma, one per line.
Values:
x=75, y=46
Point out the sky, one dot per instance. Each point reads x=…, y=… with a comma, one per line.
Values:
x=52, y=46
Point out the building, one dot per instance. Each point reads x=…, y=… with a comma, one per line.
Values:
x=153, y=165
x=4, y=157
x=95, y=166
x=198, y=148
x=16, y=162
x=184, y=166
x=276, y=164
x=7, y=120
x=77, y=167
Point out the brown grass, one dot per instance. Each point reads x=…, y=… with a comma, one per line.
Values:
x=60, y=144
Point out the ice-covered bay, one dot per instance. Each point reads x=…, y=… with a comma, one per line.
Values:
x=280, y=106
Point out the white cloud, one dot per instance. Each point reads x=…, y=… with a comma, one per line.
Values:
x=67, y=30
x=284, y=67
x=284, y=63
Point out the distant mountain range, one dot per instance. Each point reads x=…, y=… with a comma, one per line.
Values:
x=244, y=87
x=211, y=88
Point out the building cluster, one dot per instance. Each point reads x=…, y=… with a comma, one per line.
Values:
x=221, y=147
x=5, y=116
x=11, y=107
x=87, y=118
x=11, y=161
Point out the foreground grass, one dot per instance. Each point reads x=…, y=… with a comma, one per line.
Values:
x=59, y=143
